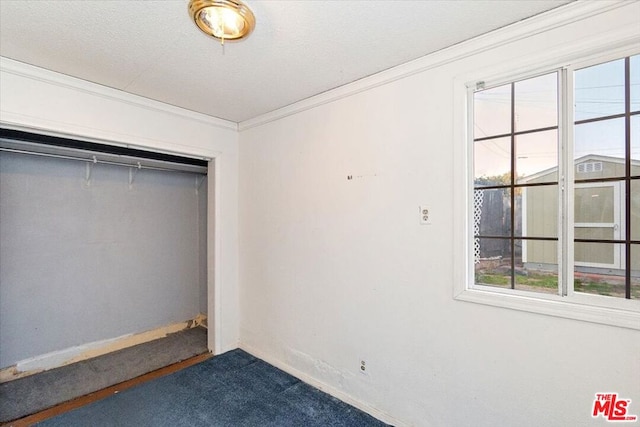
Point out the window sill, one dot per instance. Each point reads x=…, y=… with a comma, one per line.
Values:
x=555, y=306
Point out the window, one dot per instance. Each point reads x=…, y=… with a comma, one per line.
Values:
x=515, y=163
x=606, y=223
x=554, y=209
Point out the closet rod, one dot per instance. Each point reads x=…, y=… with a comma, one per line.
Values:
x=136, y=165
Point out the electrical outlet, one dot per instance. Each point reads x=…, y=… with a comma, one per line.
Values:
x=425, y=215
x=363, y=367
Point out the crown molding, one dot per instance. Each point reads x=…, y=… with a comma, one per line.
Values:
x=556, y=18
x=22, y=69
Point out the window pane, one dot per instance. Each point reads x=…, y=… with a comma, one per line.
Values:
x=537, y=157
x=535, y=277
x=596, y=140
x=635, y=210
x=492, y=112
x=599, y=90
x=537, y=211
x=492, y=162
x=492, y=212
x=635, y=271
x=493, y=262
x=536, y=102
x=593, y=277
x=635, y=83
x=540, y=256
x=635, y=144
x=496, y=250
x=597, y=203
x=601, y=255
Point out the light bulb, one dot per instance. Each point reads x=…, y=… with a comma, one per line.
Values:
x=224, y=23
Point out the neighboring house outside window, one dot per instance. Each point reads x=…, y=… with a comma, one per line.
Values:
x=554, y=209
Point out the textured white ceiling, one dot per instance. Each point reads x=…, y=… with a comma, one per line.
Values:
x=299, y=47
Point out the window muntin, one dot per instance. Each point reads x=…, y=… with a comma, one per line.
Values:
x=522, y=251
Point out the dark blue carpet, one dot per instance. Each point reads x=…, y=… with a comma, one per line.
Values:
x=232, y=389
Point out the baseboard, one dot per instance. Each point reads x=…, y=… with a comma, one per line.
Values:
x=66, y=356
x=382, y=416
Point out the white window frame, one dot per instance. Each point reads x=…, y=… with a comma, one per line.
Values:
x=567, y=303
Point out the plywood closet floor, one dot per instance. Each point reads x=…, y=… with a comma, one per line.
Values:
x=32, y=394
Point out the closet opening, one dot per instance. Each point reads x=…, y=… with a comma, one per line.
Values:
x=101, y=246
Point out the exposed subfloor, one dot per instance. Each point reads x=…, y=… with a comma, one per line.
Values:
x=21, y=397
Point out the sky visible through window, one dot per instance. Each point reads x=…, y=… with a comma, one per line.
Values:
x=598, y=92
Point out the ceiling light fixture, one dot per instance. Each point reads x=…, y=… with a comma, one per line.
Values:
x=222, y=19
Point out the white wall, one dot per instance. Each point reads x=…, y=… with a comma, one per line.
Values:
x=42, y=101
x=335, y=270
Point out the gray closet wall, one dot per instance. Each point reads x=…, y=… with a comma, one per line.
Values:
x=83, y=261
